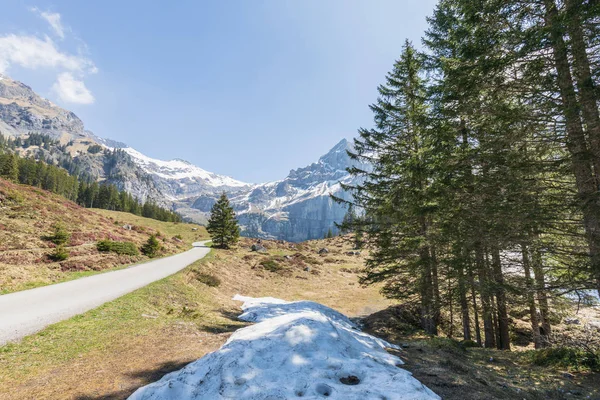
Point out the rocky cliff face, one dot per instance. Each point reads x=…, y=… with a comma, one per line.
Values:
x=23, y=112
x=296, y=208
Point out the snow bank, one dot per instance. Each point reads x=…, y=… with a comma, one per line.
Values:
x=295, y=350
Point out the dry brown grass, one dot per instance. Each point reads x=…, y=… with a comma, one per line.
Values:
x=110, y=351
x=27, y=214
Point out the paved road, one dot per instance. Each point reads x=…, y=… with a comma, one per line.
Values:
x=26, y=312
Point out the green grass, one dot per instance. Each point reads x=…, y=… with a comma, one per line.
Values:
x=167, y=229
x=565, y=357
x=170, y=300
x=72, y=275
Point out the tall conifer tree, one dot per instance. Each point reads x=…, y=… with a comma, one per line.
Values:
x=222, y=225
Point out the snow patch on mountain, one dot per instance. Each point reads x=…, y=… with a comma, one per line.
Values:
x=296, y=349
x=180, y=169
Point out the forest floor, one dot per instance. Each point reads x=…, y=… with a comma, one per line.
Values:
x=457, y=372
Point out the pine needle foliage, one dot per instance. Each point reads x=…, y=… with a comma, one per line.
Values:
x=222, y=224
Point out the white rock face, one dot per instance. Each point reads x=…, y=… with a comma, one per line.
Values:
x=295, y=350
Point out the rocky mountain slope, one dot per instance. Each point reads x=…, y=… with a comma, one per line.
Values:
x=296, y=208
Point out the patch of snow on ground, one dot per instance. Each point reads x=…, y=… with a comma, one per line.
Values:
x=295, y=350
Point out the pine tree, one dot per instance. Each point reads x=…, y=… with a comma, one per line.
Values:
x=397, y=195
x=151, y=247
x=222, y=225
x=9, y=167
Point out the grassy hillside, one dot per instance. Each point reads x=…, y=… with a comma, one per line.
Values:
x=110, y=351
x=28, y=216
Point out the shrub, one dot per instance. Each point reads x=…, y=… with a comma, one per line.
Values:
x=151, y=247
x=566, y=357
x=122, y=248
x=208, y=279
x=60, y=235
x=270, y=265
x=59, y=253
x=94, y=149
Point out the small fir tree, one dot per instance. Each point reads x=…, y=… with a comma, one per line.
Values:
x=60, y=235
x=222, y=225
x=151, y=247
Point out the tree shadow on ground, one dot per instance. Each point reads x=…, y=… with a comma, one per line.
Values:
x=142, y=377
x=224, y=327
x=229, y=323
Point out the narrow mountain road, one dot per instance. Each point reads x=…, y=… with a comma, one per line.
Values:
x=26, y=312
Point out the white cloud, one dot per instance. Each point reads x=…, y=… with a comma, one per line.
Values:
x=53, y=19
x=32, y=52
x=72, y=90
x=36, y=52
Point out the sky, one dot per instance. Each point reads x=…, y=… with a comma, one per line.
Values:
x=245, y=88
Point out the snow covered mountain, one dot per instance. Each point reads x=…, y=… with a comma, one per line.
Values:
x=179, y=179
x=23, y=112
x=296, y=208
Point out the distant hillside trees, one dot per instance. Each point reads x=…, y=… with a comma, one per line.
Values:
x=94, y=149
x=9, y=167
x=222, y=225
x=89, y=194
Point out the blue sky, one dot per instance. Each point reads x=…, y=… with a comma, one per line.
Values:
x=249, y=89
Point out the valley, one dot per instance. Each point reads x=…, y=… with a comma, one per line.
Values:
x=401, y=200
x=296, y=208
x=108, y=352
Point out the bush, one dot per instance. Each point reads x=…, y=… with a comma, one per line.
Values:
x=446, y=344
x=59, y=253
x=270, y=265
x=151, y=247
x=566, y=357
x=60, y=235
x=122, y=248
x=208, y=279
x=94, y=149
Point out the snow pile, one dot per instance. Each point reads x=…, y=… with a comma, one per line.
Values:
x=295, y=350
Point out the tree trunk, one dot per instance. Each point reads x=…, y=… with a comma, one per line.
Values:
x=503, y=328
x=486, y=303
x=429, y=317
x=585, y=82
x=576, y=142
x=464, y=304
x=542, y=297
x=436, y=287
x=535, y=326
x=475, y=312
x=589, y=104
x=426, y=291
